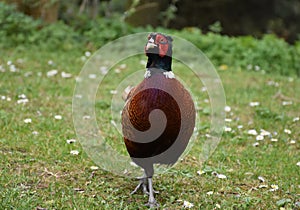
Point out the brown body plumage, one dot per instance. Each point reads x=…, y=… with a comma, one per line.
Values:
x=180, y=123
x=157, y=92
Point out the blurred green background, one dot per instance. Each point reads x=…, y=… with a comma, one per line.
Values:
x=231, y=32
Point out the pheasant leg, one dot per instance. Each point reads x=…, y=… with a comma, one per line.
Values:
x=152, y=203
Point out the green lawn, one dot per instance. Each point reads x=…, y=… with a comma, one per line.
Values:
x=37, y=169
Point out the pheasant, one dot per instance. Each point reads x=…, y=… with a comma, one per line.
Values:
x=158, y=118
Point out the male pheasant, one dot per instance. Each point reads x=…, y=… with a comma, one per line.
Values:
x=158, y=118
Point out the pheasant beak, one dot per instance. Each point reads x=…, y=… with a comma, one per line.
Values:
x=151, y=44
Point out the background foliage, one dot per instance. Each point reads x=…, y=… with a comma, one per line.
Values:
x=268, y=54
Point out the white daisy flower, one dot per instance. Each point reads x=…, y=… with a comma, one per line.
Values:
x=255, y=144
x=262, y=179
x=94, y=168
x=52, y=73
x=252, y=132
x=187, y=205
x=263, y=186
x=92, y=76
x=293, y=141
x=28, y=120
x=74, y=152
x=264, y=132
x=206, y=100
x=203, y=89
x=71, y=141
x=221, y=176
x=287, y=103
x=227, y=129
x=210, y=193
x=274, y=187
x=86, y=117
x=13, y=68
x=298, y=164
x=272, y=83
x=208, y=135
x=287, y=131
x=66, y=75
x=22, y=96
x=35, y=132
x=123, y=66
x=256, y=68
x=218, y=206
x=113, y=92
x=274, y=140
x=78, y=79
x=295, y=119
x=259, y=137
x=87, y=54
x=78, y=96
x=103, y=70
x=50, y=62
x=22, y=101
x=200, y=172
x=227, y=108
x=255, y=103
x=58, y=117
x=143, y=62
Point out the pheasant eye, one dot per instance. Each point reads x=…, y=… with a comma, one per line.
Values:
x=163, y=41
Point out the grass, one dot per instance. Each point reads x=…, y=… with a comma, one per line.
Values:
x=38, y=171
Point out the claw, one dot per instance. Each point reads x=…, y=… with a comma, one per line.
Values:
x=137, y=188
x=142, y=184
x=153, y=204
x=156, y=191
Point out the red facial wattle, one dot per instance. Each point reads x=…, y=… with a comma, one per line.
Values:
x=163, y=44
